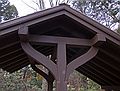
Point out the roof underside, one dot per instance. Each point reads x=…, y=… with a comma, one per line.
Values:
x=103, y=69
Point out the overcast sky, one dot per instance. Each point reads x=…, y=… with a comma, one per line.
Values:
x=21, y=7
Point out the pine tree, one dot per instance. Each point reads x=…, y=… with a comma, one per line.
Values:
x=7, y=11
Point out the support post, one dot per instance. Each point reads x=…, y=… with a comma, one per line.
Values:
x=61, y=67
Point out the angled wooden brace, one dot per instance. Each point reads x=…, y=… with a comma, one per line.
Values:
x=40, y=72
x=96, y=41
x=34, y=54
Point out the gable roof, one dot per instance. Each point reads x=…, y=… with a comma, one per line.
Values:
x=63, y=21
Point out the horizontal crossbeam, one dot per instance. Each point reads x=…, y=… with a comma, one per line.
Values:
x=54, y=40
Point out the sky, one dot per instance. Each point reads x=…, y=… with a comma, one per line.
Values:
x=21, y=7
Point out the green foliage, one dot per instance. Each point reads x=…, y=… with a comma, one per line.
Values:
x=79, y=82
x=7, y=11
x=21, y=81
x=16, y=81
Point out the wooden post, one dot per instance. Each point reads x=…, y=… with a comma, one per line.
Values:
x=61, y=84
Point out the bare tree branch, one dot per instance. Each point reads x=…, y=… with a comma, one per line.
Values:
x=29, y=5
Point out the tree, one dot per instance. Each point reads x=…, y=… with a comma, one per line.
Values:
x=105, y=12
x=44, y=4
x=7, y=11
x=118, y=30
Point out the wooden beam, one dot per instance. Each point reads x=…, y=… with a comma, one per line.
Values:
x=38, y=57
x=5, y=58
x=23, y=33
x=81, y=60
x=39, y=71
x=108, y=63
x=61, y=84
x=91, y=25
x=55, y=40
x=104, y=68
x=95, y=75
x=13, y=62
x=4, y=61
x=17, y=66
x=115, y=88
x=101, y=75
x=10, y=53
x=98, y=40
x=94, y=78
x=15, y=57
x=101, y=72
x=9, y=45
x=110, y=55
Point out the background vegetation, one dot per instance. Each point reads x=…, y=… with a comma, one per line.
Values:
x=105, y=12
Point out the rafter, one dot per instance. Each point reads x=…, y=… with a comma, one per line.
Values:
x=94, y=78
x=102, y=73
x=94, y=75
x=17, y=66
x=115, y=88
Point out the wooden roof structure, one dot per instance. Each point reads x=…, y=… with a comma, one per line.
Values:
x=74, y=41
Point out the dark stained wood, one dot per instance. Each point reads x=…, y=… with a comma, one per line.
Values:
x=106, y=70
x=81, y=60
x=40, y=58
x=111, y=88
x=101, y=73
x=93, y=77
x=18, y=66
x=40, y=72
x=96, y=76
x=67, y=39
x=61, y=67
x=54, y=40
x=22, y=33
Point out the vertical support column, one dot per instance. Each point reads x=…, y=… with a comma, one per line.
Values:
x=61, y=67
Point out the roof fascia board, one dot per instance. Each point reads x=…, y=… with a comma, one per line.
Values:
x=59, y=10
x=32, y=16
x=92, y=22
x=28, y=23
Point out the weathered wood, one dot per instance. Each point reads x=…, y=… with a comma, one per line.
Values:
x=111, y=88
x=40, y=58
x=54, y=39
x=61, y=67
x=81, y=60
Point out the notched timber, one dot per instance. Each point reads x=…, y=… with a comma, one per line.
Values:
x=23, y=33
x=98, y=40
